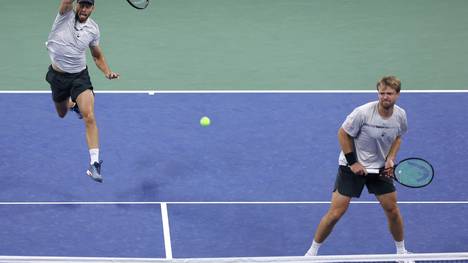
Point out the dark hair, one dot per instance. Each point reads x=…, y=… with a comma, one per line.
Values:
x=390, y=81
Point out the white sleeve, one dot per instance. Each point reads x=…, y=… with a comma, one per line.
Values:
x=61, y=18
x=96, y=39
x=403, y=124
x=353, y=123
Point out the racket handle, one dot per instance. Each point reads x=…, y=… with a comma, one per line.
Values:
x=373, y=171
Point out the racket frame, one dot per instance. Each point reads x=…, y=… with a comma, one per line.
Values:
x=379, y=171
x=138, y=7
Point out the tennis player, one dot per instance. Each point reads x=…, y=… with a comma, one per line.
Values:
x=72, y=33
x=370, y=137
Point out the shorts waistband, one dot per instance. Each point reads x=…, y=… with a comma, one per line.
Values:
x=66, y=73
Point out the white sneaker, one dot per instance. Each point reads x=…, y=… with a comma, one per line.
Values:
x=406, y=260
x=309, y=253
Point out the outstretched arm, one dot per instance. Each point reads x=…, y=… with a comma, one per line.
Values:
x=101, y=63
x=65, y=6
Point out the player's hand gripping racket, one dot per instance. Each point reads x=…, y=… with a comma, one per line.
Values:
x=139, y=4
x=410, y=172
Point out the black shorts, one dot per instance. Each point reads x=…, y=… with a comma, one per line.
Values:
x=65, y=85
x=349, y=184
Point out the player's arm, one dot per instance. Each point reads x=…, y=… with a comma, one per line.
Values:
x=101, y=63
x=391, y=156
x=65, y=6
x=346, y=143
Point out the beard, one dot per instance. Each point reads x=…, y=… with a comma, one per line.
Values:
x=387, y=105
x=78, y=19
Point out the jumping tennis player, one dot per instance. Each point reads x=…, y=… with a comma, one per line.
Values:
x=72, y=33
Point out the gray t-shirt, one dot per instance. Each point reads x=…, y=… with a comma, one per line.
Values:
x=68, y=41
x=373, y=135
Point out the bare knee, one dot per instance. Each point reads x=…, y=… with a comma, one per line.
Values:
x=89, y=118
x=334, y=215
x=338, y=207
x=61, y=109
x=392, y=212
x=62, y=114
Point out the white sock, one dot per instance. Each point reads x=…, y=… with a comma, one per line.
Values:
x=94, y=154
x=313, y=250
x=400, y=247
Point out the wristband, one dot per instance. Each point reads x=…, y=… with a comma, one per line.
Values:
x=350, y=158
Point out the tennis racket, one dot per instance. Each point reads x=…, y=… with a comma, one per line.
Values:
x=411, y=172
x=139, y=4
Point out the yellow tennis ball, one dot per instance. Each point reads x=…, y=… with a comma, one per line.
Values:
x=205, y=121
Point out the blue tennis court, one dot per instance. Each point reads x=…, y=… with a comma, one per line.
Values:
x=254, y=183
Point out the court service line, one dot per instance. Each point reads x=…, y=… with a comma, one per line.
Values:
x=425, y=257
x=166, y=231
x=155, y=92
x=220, y=203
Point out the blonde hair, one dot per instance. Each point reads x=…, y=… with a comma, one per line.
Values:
x=391, y=82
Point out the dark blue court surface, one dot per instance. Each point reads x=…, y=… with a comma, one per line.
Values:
x=82, y=230
x=259, y=147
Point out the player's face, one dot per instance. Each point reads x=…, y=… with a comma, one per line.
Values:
x=83, y=11
x=387, y=97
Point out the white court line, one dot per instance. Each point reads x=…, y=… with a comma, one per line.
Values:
x=224, y=203
x=165, y=216
x=230, y=91
x=166, y=231
x=449, y=257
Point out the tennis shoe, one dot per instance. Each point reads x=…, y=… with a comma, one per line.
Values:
x=312, y=252
x=405, y=260
x=77, y=111
x=94, y=171
x=309, y=253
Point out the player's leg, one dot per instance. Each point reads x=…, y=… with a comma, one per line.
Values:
x=395, y=222
x=85, y=101
x=60, y=86
x=82, y=94
x=385, y=192
x=62, y=108
x=74, y=107
x=347, y=185
x=339, y=205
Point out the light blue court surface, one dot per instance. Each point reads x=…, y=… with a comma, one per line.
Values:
x=254, y=183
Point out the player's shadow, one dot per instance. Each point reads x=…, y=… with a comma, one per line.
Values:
x=154, y=181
